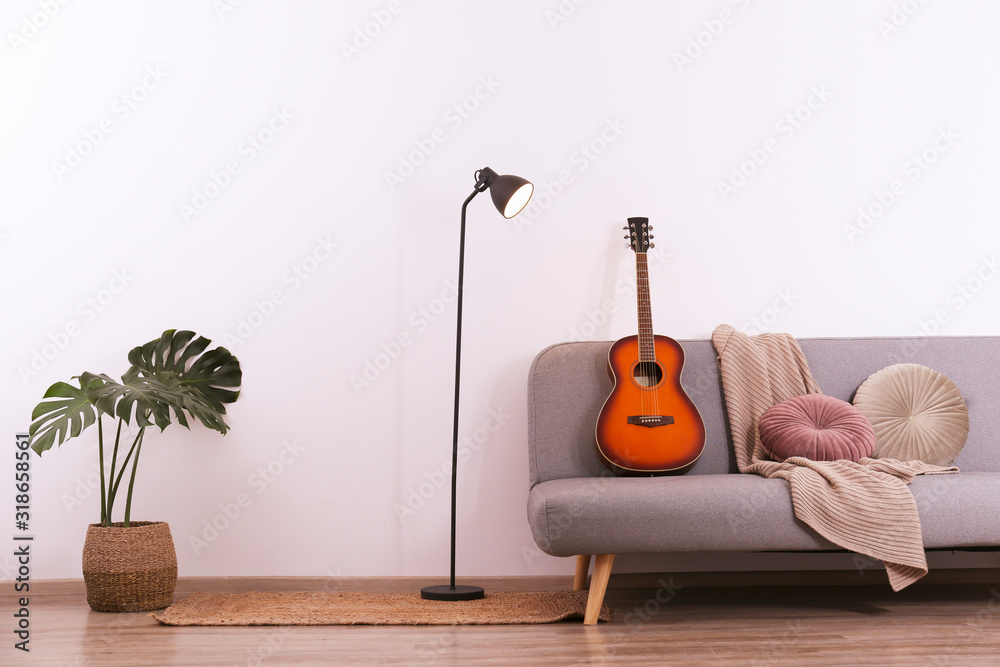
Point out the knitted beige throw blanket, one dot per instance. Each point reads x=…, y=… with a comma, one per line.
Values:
x=864, y=507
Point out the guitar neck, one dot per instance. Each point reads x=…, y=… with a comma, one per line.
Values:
x=646, y=343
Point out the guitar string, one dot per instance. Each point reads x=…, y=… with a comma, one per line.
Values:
x=644, y=392
x=650, y=402
x=638, y=293
x=652, y=340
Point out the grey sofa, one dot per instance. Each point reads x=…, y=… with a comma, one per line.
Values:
x=577, y=508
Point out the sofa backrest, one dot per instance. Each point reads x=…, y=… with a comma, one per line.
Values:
x=569, y=382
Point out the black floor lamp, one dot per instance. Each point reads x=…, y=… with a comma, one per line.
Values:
x=510, y=195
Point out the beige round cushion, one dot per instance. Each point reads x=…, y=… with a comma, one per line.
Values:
x=916, y=412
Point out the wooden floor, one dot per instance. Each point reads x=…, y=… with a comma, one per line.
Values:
x=656, y=621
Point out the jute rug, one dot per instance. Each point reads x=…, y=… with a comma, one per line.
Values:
x=503, y=608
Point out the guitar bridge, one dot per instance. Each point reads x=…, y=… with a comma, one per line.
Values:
x=650, y=420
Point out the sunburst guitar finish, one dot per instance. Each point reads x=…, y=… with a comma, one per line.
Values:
x=648, y=425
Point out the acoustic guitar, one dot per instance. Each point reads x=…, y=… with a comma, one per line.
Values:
x=648, y=425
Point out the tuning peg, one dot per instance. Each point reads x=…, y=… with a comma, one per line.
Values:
x=652, y=245
x=651, y=228
x=625, y=237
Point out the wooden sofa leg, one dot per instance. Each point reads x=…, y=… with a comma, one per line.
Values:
x=582, y=568
x=598, y=586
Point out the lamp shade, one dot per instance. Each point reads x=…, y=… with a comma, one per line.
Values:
x=510, y=194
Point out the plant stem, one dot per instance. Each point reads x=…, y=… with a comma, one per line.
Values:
x=131, y=481
x=100, y=457
x=121, y=472
x=111, y=475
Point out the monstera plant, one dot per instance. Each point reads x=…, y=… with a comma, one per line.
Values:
x=172, y=378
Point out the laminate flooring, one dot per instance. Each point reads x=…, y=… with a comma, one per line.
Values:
x=655, y=624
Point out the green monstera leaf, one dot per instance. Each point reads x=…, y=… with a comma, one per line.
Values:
x=67, y=410
x=141, y=397
x=204, y=380
x=170, y=376
x=63, y=414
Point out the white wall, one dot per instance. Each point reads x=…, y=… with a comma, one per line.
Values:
x=120, y=119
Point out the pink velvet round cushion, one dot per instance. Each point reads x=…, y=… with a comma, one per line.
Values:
x=817, y=427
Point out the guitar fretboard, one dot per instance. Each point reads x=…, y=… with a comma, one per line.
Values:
x=647, y=350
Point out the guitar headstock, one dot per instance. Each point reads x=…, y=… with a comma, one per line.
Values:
x=639, y=234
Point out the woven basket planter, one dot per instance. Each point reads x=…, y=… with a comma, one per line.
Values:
x=129, y=569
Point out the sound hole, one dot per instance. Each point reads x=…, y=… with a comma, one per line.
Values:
x=648, y=374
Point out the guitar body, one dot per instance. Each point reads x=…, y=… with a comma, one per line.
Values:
x=648, y=425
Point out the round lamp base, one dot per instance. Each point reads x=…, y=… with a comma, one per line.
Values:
x=456, y=593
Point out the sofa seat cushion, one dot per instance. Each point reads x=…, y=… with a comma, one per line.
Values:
x=958, y=509
x=733, y=512
x=721, y=512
